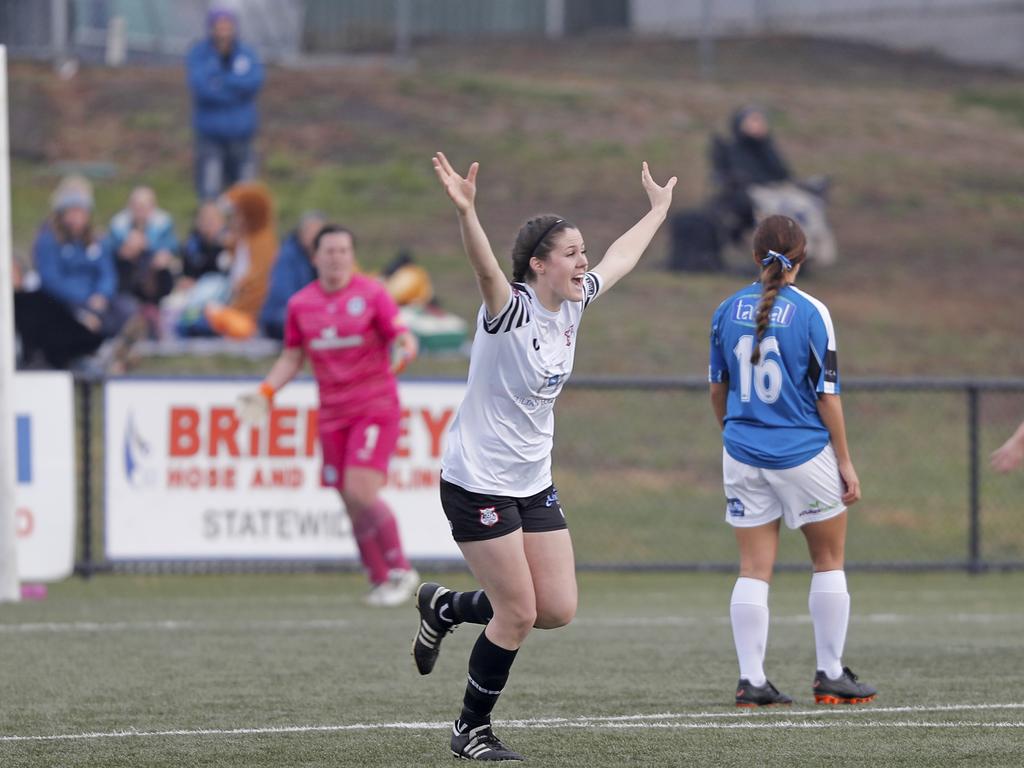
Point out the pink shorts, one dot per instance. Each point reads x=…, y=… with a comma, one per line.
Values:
x=367, y=443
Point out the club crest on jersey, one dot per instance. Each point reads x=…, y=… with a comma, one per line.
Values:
x=552, y=382
x=488, y=516
x=568, y=335
x=744, y=312
x=356, y=306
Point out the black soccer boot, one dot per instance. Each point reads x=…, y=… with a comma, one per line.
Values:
x=479, y=743
x=846, y=690
x=427, y=644
x=766, y=695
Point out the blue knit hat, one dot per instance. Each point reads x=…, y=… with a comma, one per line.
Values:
x=72, y=192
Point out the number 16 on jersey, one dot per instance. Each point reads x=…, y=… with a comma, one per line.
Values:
x=766, y=376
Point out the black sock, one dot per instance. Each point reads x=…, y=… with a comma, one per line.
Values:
x=489, y=666
x=471, y=607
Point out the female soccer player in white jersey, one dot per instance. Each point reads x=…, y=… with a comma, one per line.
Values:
x=775, y=391
x=496, y=486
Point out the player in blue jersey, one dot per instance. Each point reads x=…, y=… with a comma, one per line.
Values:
x=775, y=391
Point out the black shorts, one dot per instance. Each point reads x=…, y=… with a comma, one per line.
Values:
x=479, y=516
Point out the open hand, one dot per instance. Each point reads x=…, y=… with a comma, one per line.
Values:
x=660, y=197
x=462, y=191
x=1008, y=456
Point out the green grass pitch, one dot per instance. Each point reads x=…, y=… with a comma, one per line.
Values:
x=282, y=671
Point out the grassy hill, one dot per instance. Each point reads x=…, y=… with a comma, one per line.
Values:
x=927, y=158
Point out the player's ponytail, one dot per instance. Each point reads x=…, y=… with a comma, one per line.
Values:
x=535, y=238
x=779, y=246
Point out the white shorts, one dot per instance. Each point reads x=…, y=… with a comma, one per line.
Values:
x=808, y=493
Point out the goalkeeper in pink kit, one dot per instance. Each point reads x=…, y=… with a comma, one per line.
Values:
x=348, y=327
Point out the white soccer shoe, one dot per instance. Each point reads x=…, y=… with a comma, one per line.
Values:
x=399, y=588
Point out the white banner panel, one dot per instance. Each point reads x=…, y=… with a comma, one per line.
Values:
x=44, y=497
x=186, y=480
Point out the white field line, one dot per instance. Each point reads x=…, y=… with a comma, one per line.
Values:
x=668, y=720
x=170, y=625
x=288, y=625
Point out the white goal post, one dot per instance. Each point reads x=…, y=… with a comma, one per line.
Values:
x=10, y=588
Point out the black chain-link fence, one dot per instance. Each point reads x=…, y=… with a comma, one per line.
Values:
x=638, y=466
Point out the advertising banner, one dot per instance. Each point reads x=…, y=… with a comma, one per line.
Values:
x=45, y=475
x=185, y=479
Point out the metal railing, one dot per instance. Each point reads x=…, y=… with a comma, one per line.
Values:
x=638, y=465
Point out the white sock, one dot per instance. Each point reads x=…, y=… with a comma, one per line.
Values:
x=829, y=604
x=749, y=612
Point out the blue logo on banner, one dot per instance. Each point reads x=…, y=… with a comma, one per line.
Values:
x=23, y=426
x=136, y=450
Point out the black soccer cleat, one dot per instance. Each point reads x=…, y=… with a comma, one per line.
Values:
x=427, y=644
x=846, y=690
x=479, y=743
x=766, y=695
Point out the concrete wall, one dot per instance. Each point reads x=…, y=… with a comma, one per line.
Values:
x=972, y=31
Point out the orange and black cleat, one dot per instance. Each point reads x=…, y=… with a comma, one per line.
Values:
x=766, y=695
x=844, y=690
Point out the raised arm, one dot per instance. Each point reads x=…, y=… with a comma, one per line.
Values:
x=625, y=252
x=493, y=285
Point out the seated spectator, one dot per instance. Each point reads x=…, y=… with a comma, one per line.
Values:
x=143, y=242
x=748, y=157
x=753, y=181
x=230, y=306
x=293, y=269
x=206, y=248
x=74, y=310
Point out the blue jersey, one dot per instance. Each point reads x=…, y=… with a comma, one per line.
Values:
x=771, y=417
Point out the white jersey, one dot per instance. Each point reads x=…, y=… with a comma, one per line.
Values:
x=500, y=441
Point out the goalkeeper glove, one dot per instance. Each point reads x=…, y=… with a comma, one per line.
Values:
x=253, y=407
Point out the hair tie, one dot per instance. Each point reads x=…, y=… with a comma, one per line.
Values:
x=775, y=256
x=533, y=251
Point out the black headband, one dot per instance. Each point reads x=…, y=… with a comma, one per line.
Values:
x=547, y=232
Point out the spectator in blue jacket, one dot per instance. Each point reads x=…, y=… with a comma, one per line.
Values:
x=225, y=77
x=143, y=242
x=293, y=269
x=74, y=265
x=75, y=308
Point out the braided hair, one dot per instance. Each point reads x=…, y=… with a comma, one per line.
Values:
x=779, y=246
